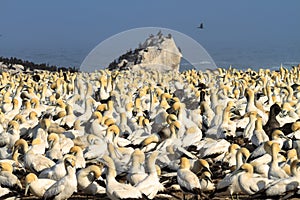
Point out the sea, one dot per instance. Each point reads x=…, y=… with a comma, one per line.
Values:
x=270, y=56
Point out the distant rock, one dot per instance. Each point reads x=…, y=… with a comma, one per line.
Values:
x=18, y=65
x=158, y=52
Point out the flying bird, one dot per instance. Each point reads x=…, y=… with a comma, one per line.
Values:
x=200, y=26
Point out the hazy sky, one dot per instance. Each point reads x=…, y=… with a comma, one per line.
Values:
x=81, y=25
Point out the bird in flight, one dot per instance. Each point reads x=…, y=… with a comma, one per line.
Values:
x=200, y=26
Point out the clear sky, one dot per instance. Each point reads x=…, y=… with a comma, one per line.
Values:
x=73, y=24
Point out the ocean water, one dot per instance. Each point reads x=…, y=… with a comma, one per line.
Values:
x=241, y=57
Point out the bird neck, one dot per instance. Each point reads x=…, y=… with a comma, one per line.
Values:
x=258, y=124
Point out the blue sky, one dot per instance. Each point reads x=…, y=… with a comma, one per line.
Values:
x=73, y=24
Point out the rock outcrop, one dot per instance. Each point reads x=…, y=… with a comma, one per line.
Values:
x=158, y=52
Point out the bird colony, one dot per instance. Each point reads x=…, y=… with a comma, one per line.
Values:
x=150, y=135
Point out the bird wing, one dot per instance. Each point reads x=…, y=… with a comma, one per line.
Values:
x=8, y=180
x=54, y=190
x=188, y=180
x=150, y=186
x=40, y=163
x=226, y=181
x=124, y=191
x=46, y=182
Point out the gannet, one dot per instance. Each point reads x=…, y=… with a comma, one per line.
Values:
x=66, y=186
x=114, y=189
x=86, y=180
x=150, y=185
x=187, y=180
x=37, y=186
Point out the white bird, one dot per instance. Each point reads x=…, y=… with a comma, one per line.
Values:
x=250, y=183
x=70, y=118
x=4, y=191
x=66, y=186
x=121, y=162
x=57, y=171
x=104, y=92
x=65, y=143
x=230, y=181
x=277, y=136
x=89, y=103
x=241, y=157
x=9, y=137
x=191, y=136
x=229, y=156
x=187, y=180
x=114, y=189
x=96, y=147
x=169, y=158
x=96, y=126
x=33, y=162
x=259, y=135
x=54, y=151
x=276, y=172
x=199, y=165
x=136, y=172
x=77, y=131
x=227, y=127
x=207, y=112
x=7, y=178
x=281, y=186
x=150, y=185
x=37, y=186
x=249, y=93
x=206, y=182
x=38, y=146
x=209, y=146
x=86, y=180
x=12, y=113
x=248, y=131
x=78, y=153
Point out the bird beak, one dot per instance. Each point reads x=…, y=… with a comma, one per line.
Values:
x=9, y=128
x=282, y=151
x=209, y=179
x=237, y=171
x=284, y=136
x=26, y=188
x=70, y=163
x=100, y=178
x=283, y=113
x=209, y=171
x=102, y=161
x=50, y=143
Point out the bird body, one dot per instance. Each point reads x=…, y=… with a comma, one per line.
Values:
x=34, y=162
x=56, y=172
x=187, y=180
x=86, y=180
x=250, y=184
x=37, y=186
x=206, y=182
x=150, y=185
x=66, y=186
x=137, y=172
x=282, y=186
x=114, y=189
x=7, y=178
